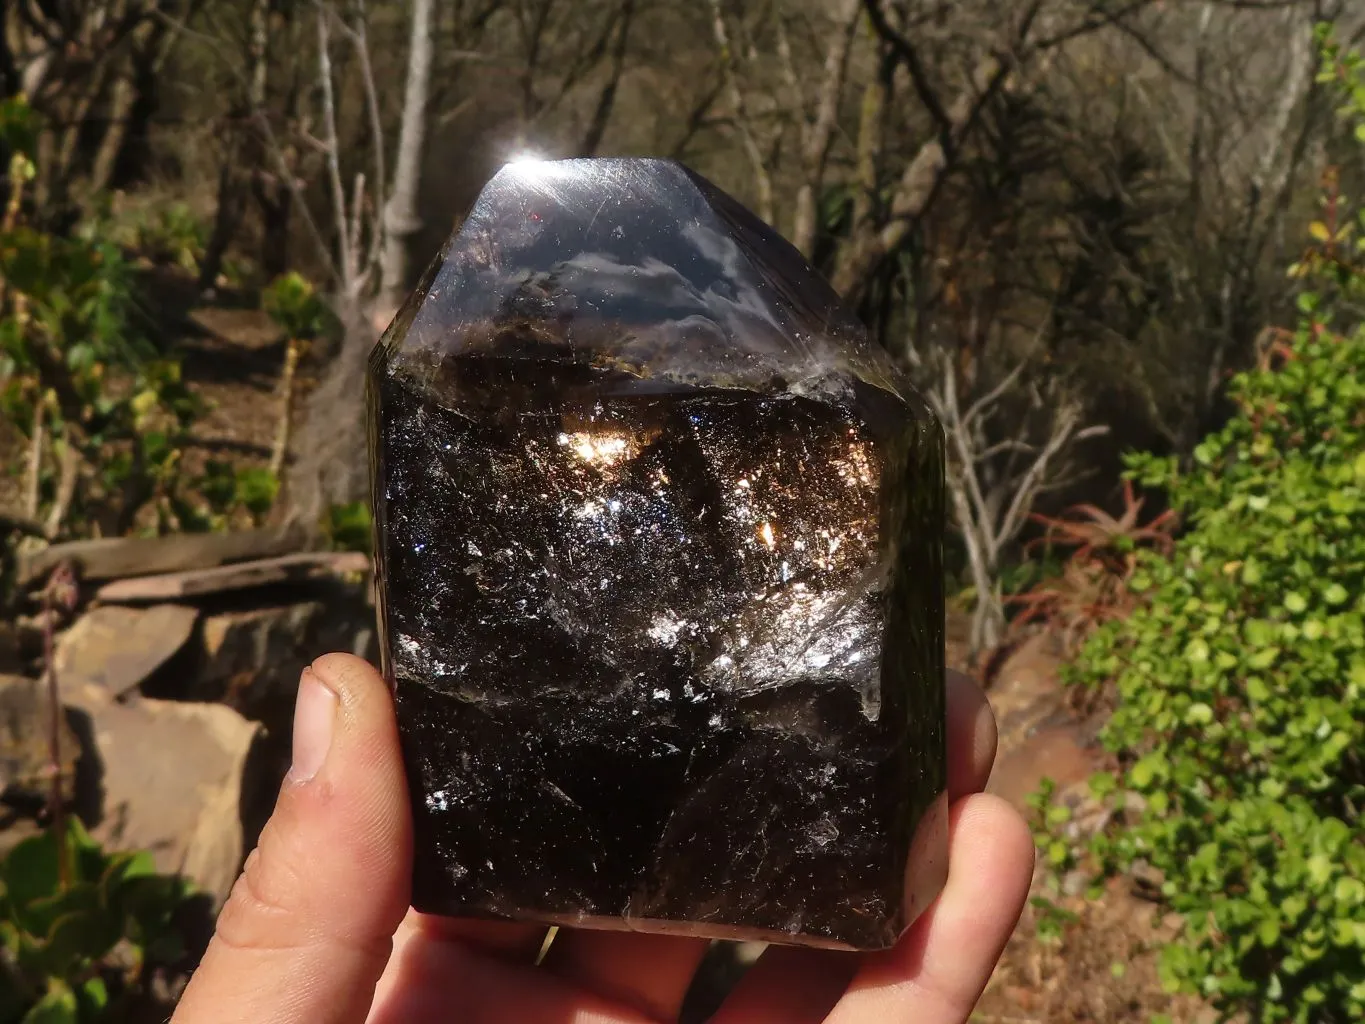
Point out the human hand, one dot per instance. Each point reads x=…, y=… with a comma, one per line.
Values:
x=318, y=929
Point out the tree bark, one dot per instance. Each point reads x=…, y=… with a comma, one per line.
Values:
x=400, y=212
x=819, y=131
x=245, y=151
x=758, y=164
x=870, y=242
x=606, y=100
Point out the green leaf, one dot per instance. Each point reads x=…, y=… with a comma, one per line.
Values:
x=58, y=1006
x=31, y=870
x=1102, y=784
x=1144, y=773
x=1319, y=869
x=93, y=997
x=1335, y=594
x=1198, y=714
x=1268, y=931
x=1295, y=603
x=80, y=937
x=1197, y=651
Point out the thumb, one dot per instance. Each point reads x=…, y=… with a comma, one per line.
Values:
x=308, y=927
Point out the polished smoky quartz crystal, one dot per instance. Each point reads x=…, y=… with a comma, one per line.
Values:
x=658, y=543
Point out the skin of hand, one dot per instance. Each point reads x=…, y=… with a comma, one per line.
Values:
x=318, y=929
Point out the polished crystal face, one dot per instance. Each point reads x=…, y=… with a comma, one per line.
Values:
x=658, y=536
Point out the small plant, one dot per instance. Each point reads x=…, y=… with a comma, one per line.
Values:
x=293, y=303
x=347, y=527
x=228, y=489
x=80, y=928
x=1093, y=585
x=170, y=234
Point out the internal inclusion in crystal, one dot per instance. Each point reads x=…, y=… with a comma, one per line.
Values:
x=661, y=596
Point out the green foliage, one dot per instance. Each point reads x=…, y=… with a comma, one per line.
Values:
x=347, y=527
x=227, y=488
x=76, y=374
x=79, y=926
x=166, y=233
x=293, y=303
x=1241, y=673
x=18, y=126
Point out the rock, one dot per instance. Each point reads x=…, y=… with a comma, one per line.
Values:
x=251, y=653
x=177, y=779
x=238, y=576
x=251, y=658
x=24, y=736
x=661, y=535
x=111, y=649
x=1054, y=753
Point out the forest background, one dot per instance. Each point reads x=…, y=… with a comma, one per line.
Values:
x=1089, y=228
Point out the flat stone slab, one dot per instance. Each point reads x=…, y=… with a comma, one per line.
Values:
x=237, y=576
x=113, y=649
x=177, y=779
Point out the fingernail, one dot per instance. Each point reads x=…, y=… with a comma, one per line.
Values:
x=314, y=720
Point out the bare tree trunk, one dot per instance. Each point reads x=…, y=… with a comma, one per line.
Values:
x=819, y=131
x=244, y=151
x=124, y=96
x=870, y=243
x=330, y=465
x=758, y=164
x=606, y=100
x=227, y=219
x=400, y=212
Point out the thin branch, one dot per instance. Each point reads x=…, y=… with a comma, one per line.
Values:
x=606, y=99
x=919, y=78
x=60, y=593
x=1063, y=428
x=68, y=475
x=743, y=124
x=1005, y=446
x=360, y=39
x=817, y=130
x=22, y=523
x=983, y=404
x=1093, y=24
x=34, y=479
x=330, y=139
x=286, y=174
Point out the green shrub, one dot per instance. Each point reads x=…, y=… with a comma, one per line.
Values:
x=76, y=374
x=293, y=303
x=347, y=527
x=79, y=928
x=1240, y=676
x=165, y=233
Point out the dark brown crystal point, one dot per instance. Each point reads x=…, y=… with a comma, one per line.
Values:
x=658, y=538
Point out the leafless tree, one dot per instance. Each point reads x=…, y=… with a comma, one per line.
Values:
x=368, y=265
x=400, y=214
x=80, y=64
